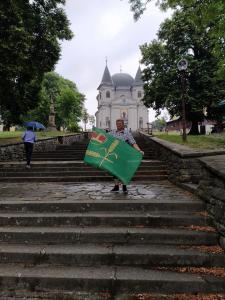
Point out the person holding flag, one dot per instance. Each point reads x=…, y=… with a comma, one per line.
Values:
x=116, y=152
x=124, y=134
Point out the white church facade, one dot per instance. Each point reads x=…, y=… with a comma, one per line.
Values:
x=120, y=97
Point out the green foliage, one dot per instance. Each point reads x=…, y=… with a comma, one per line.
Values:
x=208, y=14
x=29, y=47
x=159, y=124
x=92, y=120
x=68, y=102
x=10, y=137
x=201, y=142
x=162, y=87
x=138, y=7
x=85, y=117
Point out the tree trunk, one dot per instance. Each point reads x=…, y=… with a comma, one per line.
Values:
x=6, y=127
x=194, y=128
x=219, y=127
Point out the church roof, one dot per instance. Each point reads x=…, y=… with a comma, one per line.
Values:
x=138, y=80
x=122, y=79
x=106, y=78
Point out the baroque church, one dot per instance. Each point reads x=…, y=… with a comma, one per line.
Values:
x=120, y=97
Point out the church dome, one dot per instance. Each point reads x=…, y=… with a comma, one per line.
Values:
x=122, y=79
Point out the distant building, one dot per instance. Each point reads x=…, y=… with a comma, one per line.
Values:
x=176, y=125
x=120, y=97
x=204, y=127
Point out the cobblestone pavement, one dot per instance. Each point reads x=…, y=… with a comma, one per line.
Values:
x=91, y=191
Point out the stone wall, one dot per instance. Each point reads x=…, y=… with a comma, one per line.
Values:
x=183, y=163
x=16, y=151
x=211, y=189
x=204, y=168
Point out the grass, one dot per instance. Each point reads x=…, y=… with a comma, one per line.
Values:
x=213, y=141
x=10, y=137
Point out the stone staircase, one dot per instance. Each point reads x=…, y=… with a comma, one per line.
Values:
x=83, y=247
x=64, y=239
x=66, y=165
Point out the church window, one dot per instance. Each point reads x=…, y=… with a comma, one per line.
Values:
x=108, y=94
x=139, y=94
x=100, y=95
x=124, y=114
x=107, y=122
x=140, y=123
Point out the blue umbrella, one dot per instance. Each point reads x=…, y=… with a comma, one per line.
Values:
x=34, y=124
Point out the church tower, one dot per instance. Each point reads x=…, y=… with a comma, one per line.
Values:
x=120, y=97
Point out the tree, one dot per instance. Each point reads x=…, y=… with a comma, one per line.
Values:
x=92, y=120
x=162, y=84
x=68, y=102
x=29, y=47
x=159, y=124
x=85, y=117
x=208, y=14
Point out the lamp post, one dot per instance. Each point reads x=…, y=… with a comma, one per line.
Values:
x=182, y=67
x=149, y=125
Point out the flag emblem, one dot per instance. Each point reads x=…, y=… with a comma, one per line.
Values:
x=98, y=137
x=113, y=155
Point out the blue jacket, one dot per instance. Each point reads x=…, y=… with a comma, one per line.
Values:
x=29, y=137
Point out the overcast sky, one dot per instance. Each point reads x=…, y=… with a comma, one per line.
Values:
x=104, y=28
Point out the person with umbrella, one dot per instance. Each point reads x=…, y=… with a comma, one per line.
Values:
x=34, y=125
x=29, y=138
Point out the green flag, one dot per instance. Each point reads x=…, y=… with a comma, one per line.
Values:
x=109, y=153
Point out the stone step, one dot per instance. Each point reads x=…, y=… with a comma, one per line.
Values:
x=79, y=163
x=118, y=255
x=70, y=149
x=72, y=158
x=57, y=154
x=72, y=146
x=42, y=158
x=61, y=153
x=52, y=172
x=116, y=235
x=36, y=168
x=47, y=158
x=84, y=146
x=105, y=279
x=78, y=151
x=44, y=173
x=58, y=159
x=112, y=204
x=103, y=218
x=98, y=178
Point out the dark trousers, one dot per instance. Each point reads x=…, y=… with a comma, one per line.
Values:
x=28, y=150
